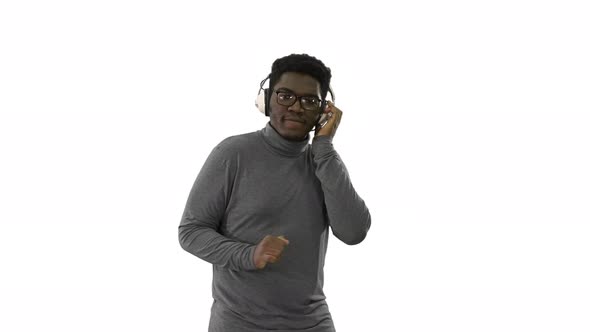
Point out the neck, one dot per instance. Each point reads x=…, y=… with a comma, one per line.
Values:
x=281, y=145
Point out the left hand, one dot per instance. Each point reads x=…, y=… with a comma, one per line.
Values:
x=329, y=129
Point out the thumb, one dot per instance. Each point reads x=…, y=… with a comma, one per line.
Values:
x=261, y=264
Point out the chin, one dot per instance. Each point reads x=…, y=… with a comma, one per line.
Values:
x=292, y=136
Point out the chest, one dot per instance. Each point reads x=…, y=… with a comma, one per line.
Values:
x=275, y=197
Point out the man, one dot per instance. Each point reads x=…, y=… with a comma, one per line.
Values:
x=261, y=206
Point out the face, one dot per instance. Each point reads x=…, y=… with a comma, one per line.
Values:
x=294, y=122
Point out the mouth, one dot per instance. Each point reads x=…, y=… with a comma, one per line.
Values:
x=294, y=120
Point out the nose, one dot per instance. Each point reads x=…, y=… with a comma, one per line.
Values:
x=296, y=107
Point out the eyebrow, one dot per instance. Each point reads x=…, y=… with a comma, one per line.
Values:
x=293, y=92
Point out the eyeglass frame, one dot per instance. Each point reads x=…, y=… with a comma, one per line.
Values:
x=298, y=98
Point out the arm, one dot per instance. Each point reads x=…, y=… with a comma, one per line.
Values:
x=347, y=213
x=198, y=231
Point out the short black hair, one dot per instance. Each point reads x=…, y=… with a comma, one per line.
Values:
x=305, y=64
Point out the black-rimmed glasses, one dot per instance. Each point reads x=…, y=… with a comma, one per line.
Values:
x=308, y=103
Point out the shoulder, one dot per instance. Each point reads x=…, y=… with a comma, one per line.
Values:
x=232, y=147
x=239, y=143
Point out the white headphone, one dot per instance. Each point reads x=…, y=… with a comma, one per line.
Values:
x=261, y=98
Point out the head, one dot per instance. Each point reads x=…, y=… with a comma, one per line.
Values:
x=297, y=75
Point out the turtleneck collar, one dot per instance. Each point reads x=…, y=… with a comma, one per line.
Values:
x=280, y=145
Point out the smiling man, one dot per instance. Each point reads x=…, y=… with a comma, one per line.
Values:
x=263, y=203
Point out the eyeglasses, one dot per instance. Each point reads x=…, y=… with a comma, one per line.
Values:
x=308, y=103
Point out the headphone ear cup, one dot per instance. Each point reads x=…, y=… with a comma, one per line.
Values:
x=266, y=102
x=261, y=101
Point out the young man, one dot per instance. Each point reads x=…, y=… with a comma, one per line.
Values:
x=261, y=207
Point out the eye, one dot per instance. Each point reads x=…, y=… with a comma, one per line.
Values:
x=285, y=96
x=310, y=100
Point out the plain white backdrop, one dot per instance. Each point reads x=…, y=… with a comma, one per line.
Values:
x=465, y=130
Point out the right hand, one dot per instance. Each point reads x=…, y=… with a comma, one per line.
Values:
x=334, y=114
x=269, y=250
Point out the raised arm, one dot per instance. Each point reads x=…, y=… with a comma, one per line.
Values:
x=348, y=215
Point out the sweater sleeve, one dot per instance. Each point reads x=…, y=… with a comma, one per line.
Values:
x=348, y=215
x=198, y=232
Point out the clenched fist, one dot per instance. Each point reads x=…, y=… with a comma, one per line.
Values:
x=269, y=250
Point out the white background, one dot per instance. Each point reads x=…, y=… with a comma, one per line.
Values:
x=465, y=130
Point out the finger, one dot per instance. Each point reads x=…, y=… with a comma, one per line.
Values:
x=331, y=119
x=337, y=116
x=273, y=251
x=273, y=259
x=284, y=239
x=336, y=113
x=332, y=106
x=278, y=257
x=269, y=258
x=263, y=260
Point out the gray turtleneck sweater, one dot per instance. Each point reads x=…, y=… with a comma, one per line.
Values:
x=256, y=184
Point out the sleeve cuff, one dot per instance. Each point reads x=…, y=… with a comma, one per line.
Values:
x=250, y=266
